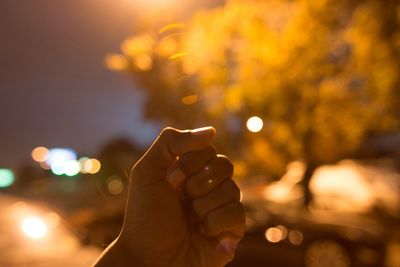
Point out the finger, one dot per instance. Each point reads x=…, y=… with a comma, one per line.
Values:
x=224, y=219
x=227, y=192
x=170, y=144
x=189, y=164
x=227, y=243
x=203, y=182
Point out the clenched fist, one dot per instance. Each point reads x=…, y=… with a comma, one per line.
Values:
x=183, y=207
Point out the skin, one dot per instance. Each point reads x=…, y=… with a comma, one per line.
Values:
x=183, y=208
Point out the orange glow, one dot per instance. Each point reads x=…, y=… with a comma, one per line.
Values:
x=274, y=234
x=116, y=62
x=93, y=166
x=144, y=62
x=40, y=154
x=171, y=26
x=178, y=55
x=138, y=45
x=189, y=100
x=343, y=186
x=167, y=46
x=296, y=237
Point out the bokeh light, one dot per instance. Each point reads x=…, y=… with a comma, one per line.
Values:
x=82, y=164
x=40, y=154
x=274, y=234
x=295, y=237
x=143, y=62
x=254, y=124
x=114, y=185
x=92, y=166
x=34, y=227
x=116, y=62
x=326, y=253
x=7, y=178
x=60, y=155
x=72, y=168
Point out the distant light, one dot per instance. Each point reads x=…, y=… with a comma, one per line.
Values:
x=273, y=234
x=44, y=166
x=71, y=168
x=60, y=155
x=93, y=166
x=284, y=231
x=84, y=168
x=254, y=124
x=34, y=227
x=114, y=185
x=57, y=168
x=7, y=178
x=116, y=62
x=295, y=237
x=40, y=154
x=62, y=161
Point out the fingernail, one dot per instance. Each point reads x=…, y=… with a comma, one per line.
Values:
x=176, y=177
x=229, y=245
x=203, y=130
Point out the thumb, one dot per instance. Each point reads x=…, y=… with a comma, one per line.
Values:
x=169, y=145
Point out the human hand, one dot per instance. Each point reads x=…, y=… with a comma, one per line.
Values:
x=183, y=207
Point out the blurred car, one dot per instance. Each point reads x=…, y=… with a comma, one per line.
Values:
x=33, y=235
x=313, y=239
x=352, y=221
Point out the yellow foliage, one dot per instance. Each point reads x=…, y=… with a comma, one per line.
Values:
x=323, y=75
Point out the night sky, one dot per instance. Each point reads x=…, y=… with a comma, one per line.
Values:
x=54, y=89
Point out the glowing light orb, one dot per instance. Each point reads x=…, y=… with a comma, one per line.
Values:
x=254, y=124
x=115, y=185
x=274, y=234
x=296, y=237
x=40, y=154
x=72, y=168
x=93, y=166
x=60, y=155
x=83, y=164
x=34, y=227
x=7, y=178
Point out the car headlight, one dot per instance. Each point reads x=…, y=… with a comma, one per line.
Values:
x=34, y=227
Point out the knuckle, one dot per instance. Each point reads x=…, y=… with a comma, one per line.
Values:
x=191, y=188
x=232, y=189
x=211, y=221
x=197, y=207
x=210, y=150
x=168, y=132
x=241, y=213
x=225, y=165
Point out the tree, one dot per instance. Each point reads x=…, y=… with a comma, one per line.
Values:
x=322, y=75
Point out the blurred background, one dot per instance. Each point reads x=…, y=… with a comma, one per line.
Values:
x=305, y=96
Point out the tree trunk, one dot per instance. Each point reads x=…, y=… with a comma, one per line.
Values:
x=311, y=167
